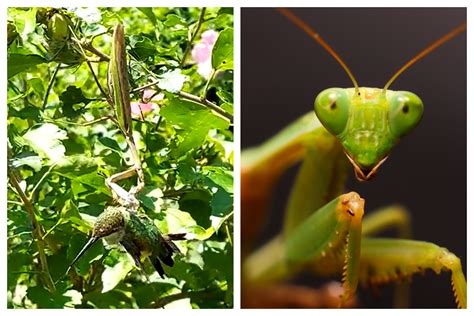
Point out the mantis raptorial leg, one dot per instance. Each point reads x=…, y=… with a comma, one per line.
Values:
x=288, y=105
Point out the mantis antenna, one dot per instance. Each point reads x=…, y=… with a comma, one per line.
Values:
x=442, y=40
x=305, y=27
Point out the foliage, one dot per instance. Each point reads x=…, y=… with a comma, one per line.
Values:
x=59, y=156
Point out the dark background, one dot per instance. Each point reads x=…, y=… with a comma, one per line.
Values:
x=283, y=70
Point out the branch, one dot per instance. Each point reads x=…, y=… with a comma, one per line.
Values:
x=37, y=228
x=87, y=45
x=208, y=104
x=214, y=107
x=190, y=43
x=162, y=302
x=50, y=85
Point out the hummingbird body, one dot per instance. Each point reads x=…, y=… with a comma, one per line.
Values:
x=137, y=234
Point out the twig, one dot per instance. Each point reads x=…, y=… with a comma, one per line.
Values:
x=107, y=97
x=76, y=39
x=194, y=98
x=89, y=47
x=206, y=87
x=50, y=85
x=208, y=104
x=191, y=40
x=37, y=228
x=32, y=193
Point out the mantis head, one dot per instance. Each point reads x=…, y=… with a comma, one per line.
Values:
x=368, y=122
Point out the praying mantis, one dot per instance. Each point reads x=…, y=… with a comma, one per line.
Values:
x=416, y=179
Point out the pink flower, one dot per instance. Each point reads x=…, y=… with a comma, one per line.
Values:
x=202, y=52
x=144, y=107
x=149, y=95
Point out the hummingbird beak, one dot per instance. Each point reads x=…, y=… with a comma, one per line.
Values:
x=89, y=244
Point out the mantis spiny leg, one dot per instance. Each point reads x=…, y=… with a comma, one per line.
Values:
x=386, y=260
x=392, y=216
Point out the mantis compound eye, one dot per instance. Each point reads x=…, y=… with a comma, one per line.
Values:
x=406, y=110
x=332, y=109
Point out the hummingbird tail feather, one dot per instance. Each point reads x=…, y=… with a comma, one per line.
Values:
x=156, y=263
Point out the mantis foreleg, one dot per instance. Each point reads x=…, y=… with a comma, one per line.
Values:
x=333, y=229
x=262, y=166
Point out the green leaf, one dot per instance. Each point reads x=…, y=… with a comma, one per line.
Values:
x=71, y=97
x=28, y=112
x=195, y=119
x=221, y=203
x=142, y=47
x=173, y=20
x=112, y=276
x=18, y=63
x=46, y=141
x=197, y=203
x=176, y=221
x=151, y=198
x=223, y=51
x=149, y=14
x=221, y=177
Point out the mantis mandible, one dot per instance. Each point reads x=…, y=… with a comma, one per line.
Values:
x=398, y=183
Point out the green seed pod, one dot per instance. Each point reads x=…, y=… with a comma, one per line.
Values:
x=58, y=27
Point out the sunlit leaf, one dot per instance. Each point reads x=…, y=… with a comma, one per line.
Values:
x=114, y=275
x=46, y=141
x=195, y=120
x=223, y=51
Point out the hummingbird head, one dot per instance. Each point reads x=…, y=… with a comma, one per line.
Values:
x=111, y=224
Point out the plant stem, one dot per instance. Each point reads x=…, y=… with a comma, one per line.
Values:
x=162, y=302
x=76, y=39
x=37, y=228
x=191, y=40
x=107, y=97
x=32, y=193
x=50, y=85
x=206, y=87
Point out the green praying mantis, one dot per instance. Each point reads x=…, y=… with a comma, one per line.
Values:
x=318, y=239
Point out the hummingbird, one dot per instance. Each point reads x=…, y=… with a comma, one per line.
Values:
x=137, y=234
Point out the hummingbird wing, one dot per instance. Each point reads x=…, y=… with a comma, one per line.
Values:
x=178, y=236
x=134, y=251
